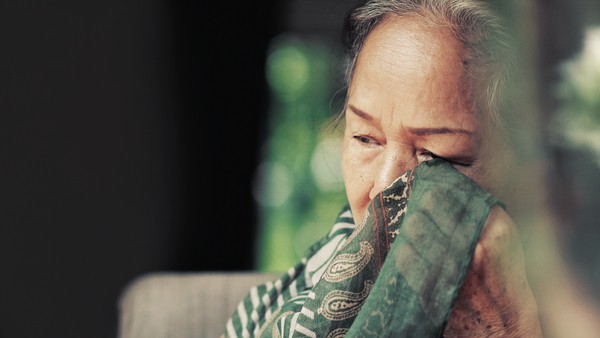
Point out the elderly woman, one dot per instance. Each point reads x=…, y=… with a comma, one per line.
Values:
x=423, y=248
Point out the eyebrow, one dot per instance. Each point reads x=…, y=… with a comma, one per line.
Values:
x=415, y=131
x=430, y=131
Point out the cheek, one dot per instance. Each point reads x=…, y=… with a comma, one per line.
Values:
x=482, y=170
x=356, y=181
x=479, y=173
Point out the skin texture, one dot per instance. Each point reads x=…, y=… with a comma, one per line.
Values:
x=408, y=102
x=496, y=299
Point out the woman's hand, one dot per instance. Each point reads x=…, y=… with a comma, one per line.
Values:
x=496, y=300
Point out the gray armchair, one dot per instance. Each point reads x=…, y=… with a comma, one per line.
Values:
x=183, y=305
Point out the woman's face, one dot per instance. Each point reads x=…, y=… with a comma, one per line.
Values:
x=407, y=103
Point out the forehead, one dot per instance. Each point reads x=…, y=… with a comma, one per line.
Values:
x=412, y=47
x=413, y=35
x=412, y=68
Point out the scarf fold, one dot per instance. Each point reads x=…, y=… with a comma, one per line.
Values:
x=397, y=274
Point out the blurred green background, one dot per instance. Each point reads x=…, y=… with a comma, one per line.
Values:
x=299, y=184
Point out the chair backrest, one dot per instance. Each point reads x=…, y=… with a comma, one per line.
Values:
x=167, y=304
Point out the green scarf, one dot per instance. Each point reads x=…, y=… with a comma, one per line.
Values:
x=396, y=274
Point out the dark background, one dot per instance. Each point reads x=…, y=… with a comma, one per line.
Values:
x=129, y=134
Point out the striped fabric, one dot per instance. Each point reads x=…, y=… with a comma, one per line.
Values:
x=288, y=294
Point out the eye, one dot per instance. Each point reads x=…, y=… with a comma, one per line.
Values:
x=366, y=140
x=427, y=155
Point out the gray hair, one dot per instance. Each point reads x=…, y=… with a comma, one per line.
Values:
x=484, y=42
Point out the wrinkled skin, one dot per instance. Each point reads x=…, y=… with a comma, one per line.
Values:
x=496, y=300
x=408, y=102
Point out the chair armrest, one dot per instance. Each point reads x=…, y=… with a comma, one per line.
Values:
x=168, y=304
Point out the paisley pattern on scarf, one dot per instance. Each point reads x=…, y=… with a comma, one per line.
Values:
x=346, y=266
x=340, y=305
x=396, y=274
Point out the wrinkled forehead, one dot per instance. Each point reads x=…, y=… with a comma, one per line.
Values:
x=406, y=62
x=415, y=35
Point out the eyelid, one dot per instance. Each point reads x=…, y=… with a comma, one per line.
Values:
x=453, y=160
x=360, y=138
x=372, y=140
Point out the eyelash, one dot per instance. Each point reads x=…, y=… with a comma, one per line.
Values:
x=454, y=162
x=367, y=140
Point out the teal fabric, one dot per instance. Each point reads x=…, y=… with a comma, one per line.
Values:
x=396, y=275
x=420, y=279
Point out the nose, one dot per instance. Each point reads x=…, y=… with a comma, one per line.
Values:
x=389, y=167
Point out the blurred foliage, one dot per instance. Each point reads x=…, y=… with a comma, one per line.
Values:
x=577, y=121
x=299, y=186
